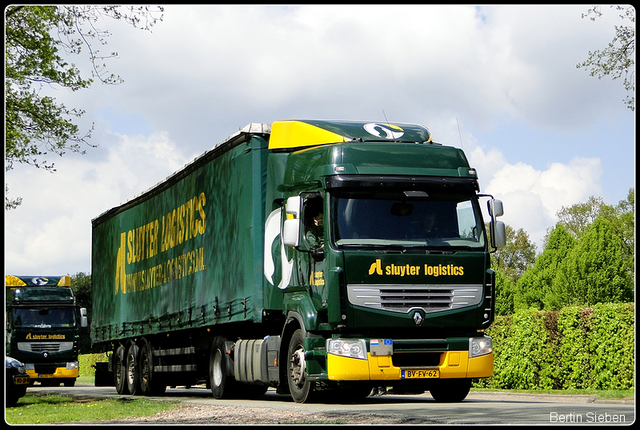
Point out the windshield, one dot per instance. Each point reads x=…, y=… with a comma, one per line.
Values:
x=406, y=219
x=44, y=318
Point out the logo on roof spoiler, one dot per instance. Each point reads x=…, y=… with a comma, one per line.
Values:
x=376, y=129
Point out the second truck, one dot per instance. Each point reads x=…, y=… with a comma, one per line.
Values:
x=43, y=327
x=310, y=256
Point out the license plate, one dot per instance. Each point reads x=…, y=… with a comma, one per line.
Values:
x=45, y=375
x=21, y=380
x=420, y=373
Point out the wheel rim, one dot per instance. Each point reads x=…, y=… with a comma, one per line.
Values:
x=144, y=369
x=297, y=366
x=217, y=368
x=131, y=368
x=118, y=370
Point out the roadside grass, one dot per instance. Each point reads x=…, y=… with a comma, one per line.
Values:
x=600, y=394
x=43, y=408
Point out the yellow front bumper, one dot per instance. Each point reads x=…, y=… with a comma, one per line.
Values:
x=61, y=372
x=453, y=364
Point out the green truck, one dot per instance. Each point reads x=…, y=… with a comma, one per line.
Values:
x=311, y=256
x=43, y=327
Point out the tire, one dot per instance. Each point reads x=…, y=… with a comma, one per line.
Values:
x=132, y=370
x=149, y=383
x=301, y=389
x=69, y=383
x=120, y=370
x=223, y=384
x=450, y=390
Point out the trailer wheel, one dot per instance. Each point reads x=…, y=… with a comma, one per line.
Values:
x=119, y=370
x=132, y=372
x=300, y=387
x=149, y=384
x=223, y=385
x=450, y=390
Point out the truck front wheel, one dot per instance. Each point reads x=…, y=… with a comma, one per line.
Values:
x=300, y=387
x=450, y=390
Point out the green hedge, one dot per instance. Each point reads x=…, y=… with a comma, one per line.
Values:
x=581, y=348
x=87, y=360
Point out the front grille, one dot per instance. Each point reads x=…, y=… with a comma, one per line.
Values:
x=404, y=298
x=45, y=346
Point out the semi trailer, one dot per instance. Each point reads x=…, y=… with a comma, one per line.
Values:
x=310, y=256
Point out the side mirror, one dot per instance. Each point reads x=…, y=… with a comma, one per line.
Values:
x=291, y=228
x=291, y=232
x=498, y=234
x=83, y=317
x=294, y=206
x=495, y=208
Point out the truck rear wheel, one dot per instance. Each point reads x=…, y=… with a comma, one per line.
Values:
x=119, y=370
x=132, y=370
x=149, y=384
x=300, y=387
x=450, y=390
x=223, y=386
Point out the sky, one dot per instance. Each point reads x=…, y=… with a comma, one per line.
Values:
x=500, y=82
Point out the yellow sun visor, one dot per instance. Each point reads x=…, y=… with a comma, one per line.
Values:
x=304, y=133
x=296, y=134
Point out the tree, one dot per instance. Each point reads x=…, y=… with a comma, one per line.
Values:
x=505, y=291
x=617, y=59
x=622, y=219
x=511, y=262
x=579, y=217
x=516, y=256
x=81, y=286
x=534, y=288
x=593, y=272
x=35, y=39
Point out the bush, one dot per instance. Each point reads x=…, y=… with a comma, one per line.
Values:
x=581, y=348
x=87, y=360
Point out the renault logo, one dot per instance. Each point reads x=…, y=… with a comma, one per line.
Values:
x=417, y=317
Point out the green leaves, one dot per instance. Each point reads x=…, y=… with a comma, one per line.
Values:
x=617, y=58
x=594, y=271
x=575, y=348
x=37, y=40
x=588, y=259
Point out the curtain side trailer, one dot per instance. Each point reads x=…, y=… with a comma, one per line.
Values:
x=309, y=256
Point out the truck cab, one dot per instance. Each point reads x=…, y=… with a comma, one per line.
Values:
x=395, y=285
x=43, y=324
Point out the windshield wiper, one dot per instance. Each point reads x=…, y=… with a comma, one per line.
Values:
x=391, y=247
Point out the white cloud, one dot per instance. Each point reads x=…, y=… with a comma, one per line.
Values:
x=533, y=197
x=51, y=230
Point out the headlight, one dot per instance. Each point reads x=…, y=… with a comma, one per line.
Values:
x=72, y=365
x=353, y=348
x=480, y=346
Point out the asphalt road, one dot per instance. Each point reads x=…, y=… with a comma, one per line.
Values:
x=479, y=408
